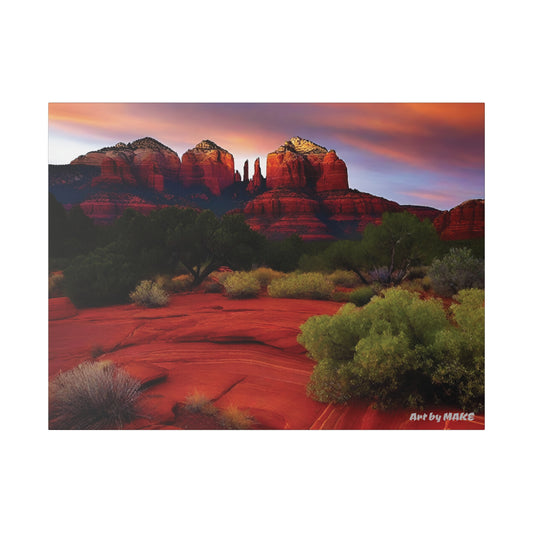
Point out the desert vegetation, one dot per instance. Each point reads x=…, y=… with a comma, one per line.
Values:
x=400, y=350
x=393, y=343
x=313, y=285
x=231, y=417
x=241, y=285
x=94, y=395
x=149, y=293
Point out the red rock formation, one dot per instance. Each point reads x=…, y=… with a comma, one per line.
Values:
x=143, y=162
x=237, y=177
x=258, y=181
x=279, y=213
x=246, y=177
x=422, y=212
x=333, y=175
x=465, y=221
x=114, y=170
x=300, y=164
x=104, y=208
x=209, y=165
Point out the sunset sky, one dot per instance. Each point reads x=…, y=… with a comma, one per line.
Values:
x=422, y=154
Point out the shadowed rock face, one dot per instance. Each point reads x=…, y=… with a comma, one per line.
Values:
x=466, y=221
x=300, y=164
x=209, y=165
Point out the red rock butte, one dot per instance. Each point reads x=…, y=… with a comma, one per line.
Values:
x=300, y=164
x=209, y=165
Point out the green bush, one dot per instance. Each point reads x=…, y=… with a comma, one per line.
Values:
x=457, y=270
x=461, y=371
x=330, y=382
x=311, y=285
x=149, y=294
x=265, y=275
x=361, y=296
x=241, y=285
x=399, y=350
x=102, y=277
x=94, y=395
x=344, y=278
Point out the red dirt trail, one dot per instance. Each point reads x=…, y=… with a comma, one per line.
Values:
x=240, y=353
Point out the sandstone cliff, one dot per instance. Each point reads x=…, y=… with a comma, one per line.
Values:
x=209, y=165
x=300, y=164
x=465, y=221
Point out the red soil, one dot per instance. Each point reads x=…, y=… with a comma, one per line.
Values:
x=240, y=353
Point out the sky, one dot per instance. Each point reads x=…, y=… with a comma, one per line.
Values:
x=413, y=153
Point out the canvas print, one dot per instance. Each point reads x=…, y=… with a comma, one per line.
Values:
x=266, y=266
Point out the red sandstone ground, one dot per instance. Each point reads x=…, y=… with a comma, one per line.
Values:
x=240, y=353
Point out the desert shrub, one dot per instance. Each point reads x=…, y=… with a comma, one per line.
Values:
x=174, y=284
x=457, y=270
x=383, y=276
x=234, y=418
x=340, y=296
x=312, y=285
x=221, y=276
x=265, y=275
x=103, y=277
x=55, y=284
x=461, y=371
x=241, y=285
x=149, y=294
x=361, y=296
x=418, y=272
x=398, y=350
x=417, y=284
x=344, y=278
x=330, y=382
x=93, y=395
x=198, y=402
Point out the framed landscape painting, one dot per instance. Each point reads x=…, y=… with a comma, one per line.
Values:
x=266, y=266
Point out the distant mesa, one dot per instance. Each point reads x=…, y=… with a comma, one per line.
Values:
x=305, y=190
x=465, y=221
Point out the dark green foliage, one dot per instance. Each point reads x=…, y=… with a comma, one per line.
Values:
x=102, y=277
x=361, y=296
x=331, y=382
x=461, y=372
x=457, y=270
x=284, y=255
x=399, y=350
x=70, y=232
x=400, y=242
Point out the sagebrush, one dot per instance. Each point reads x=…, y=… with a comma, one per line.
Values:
x=94, y=395
x=311, y=285
x=241, y=285
x=149, y=294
